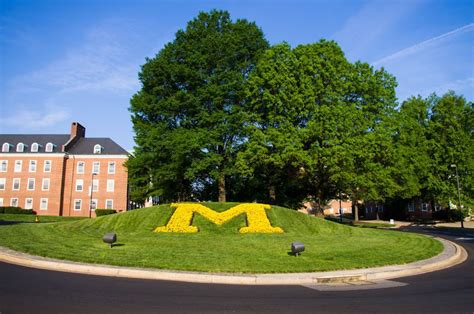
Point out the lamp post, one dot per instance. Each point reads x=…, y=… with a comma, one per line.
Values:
x=459, y=193
x=92, y=190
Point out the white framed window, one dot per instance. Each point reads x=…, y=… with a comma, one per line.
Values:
x=31, y=184
x=45, y=184
x=34, y=147
x=18, y=165
x=1, y=201
x=96, y=167
x=5, y=148
x=109, y=204
x=49, y=147
x=28, y=203
x=47, y=166
x=16, y=184
x=43, y=204
x=95, y=185
x=411, y=207
x=14, y=201
x=424, y=207
x=32, y=166
x=79, y=185
x=77, y=205
x=97, y=149
x=20, y=148
x=3, y=165
x=111, y=167
x=80, y=167
x=2, y=183
x=110, y=185
x=93, y=204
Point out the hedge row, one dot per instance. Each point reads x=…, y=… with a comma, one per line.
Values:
x=15, y=210
x=103, y=212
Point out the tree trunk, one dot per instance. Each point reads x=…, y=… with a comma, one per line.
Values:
x=221, y=183
x=356, y=211
x=272, y=193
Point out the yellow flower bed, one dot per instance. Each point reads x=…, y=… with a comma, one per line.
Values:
x=257, y=220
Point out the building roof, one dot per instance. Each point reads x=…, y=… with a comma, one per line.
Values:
x=83, y=146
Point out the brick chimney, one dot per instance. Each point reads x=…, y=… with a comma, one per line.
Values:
x=77, y=132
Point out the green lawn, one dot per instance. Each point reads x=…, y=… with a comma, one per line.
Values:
x=32, y=218
x=329, y=246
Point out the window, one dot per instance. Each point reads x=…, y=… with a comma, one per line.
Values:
x=44, y=204
x=18, y=165
x=32, y=167
x=2, y=183
x=3, y=165
x=424, y=207
x=14, y=202
x=80, y=167
x=93, y=204
x=28, y=203
x=411, y=207
x=97, y=149
x=79, y=185
x=110, y=185
x=31, y=184
x=49, y=147
x=20, y=147
x=95, y=185
x=111, y=169
x=34, y=147
x=109, y=204
x=1, y=201
x=77, y=205
x=5, y=148
x=45, y=185
x=47, y=166
x=96, y=167
x=16, y=184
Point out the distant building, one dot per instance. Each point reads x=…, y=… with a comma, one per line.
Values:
x=62, y=174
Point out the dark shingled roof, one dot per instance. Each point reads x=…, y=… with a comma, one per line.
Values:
x=83, y=146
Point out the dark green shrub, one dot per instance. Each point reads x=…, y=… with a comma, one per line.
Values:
x=103, y=212
x=440, y=215
x=16, y=210
x=458, y=214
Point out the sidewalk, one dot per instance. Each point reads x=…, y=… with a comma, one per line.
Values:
x=452, y=254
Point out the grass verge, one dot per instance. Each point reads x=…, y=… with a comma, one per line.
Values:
x=329, y=246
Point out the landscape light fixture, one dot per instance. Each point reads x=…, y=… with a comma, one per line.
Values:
x=297, y=248
x=110, y=238
x=459, y=194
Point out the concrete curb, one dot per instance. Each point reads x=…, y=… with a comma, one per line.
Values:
x=452, y=254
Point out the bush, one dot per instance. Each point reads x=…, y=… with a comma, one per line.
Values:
x=16, y=210
x=103, y=212
x=458, y=214
x=440, y=215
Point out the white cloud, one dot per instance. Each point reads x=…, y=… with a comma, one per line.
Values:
x=423, y=45
x=30, y=120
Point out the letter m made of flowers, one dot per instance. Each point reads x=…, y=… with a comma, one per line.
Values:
x=257, y=220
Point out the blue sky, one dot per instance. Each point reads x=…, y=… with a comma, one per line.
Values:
x=64, y=61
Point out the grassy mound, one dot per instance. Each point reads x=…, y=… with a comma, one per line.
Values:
x=329, y=246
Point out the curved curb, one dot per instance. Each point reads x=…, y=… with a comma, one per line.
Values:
x=452, y=254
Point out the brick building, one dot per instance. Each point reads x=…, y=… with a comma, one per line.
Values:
x=62, y=174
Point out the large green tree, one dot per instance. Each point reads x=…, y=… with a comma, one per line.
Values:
x=187, y=116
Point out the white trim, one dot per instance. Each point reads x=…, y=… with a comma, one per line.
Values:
x=83, y=163
x=99, y=156
x=41, y=203
x=50, y=166
x=26, y=203
x=21, y=166
x=112, y=202
x=110, y=187
x=20, y=145
x=98, y=149
x=94, y=163
x=95, y=185
x=32, y=154
x=17, y=201
x=28, y=184
x=42, y=184
x=4, y=182
x=1, y=201
x=108, y=167
x=30, y=163
x=94, y=201
x=19, y=184
x=49, y=144
x=74, y=205
x=34, y=147
x=6, y=147
x=4, y=161
x=81, y=184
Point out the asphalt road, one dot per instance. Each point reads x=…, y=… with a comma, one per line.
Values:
x=25, y=290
